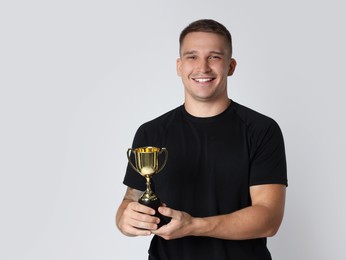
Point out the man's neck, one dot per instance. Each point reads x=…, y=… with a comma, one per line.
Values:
x=206, y=108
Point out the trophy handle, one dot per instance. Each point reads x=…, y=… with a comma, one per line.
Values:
x=165, y=161
x=129, y=159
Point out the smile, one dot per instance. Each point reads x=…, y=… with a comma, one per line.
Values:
x=202, y=80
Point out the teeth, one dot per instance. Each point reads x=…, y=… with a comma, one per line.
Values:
x=203, y=80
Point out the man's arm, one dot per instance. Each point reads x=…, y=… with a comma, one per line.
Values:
x=134, y=219
x=261, y=219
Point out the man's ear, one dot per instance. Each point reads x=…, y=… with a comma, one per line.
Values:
x=178, y=64
x=232, y=65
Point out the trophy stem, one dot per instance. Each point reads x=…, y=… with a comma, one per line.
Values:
x=148, y=183
x=148, y=197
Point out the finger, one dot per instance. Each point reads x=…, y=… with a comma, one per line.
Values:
x=141, y=208
x=143, y=225
x=133, y=231
x=166, y=211
x=137, y=225
x=140, y=221
x=145, y=218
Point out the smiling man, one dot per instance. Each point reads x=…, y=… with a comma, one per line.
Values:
x=223, y=187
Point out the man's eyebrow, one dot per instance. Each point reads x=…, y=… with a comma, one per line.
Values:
x=217, y=52
x=194, y=52
x=189, y=53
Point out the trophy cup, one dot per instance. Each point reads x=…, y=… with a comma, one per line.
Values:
x=147, y=165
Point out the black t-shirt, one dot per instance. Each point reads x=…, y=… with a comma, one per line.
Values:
x=211, y=164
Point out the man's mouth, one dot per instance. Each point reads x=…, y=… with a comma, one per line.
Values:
x=203, y=80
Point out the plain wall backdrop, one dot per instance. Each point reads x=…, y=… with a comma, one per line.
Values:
x=78, y=77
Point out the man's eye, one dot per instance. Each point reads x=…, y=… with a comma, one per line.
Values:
x=214, y=57
x=191, y=57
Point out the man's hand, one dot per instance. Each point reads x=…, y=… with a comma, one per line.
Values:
x=179, y=226
x=133, y=218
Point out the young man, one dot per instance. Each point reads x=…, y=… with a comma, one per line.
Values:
x=224, y=184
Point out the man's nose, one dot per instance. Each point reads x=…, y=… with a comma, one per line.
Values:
x=203, y=65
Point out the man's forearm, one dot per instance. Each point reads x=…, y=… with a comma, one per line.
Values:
x=248, y=223
x=262, y=219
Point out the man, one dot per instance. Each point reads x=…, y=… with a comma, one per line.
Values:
x=224, y=184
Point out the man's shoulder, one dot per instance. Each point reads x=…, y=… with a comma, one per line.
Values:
x=254, y=119
x=164, y=119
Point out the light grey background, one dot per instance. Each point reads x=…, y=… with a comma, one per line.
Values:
x=78, y=77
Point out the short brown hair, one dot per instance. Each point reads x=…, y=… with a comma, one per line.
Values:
x=207, y=25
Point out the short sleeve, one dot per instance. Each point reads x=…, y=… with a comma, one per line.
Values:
x=268, y=159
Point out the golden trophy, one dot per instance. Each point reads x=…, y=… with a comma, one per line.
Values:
x=147, y=165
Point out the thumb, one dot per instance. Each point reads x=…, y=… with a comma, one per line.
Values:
x=166, y=211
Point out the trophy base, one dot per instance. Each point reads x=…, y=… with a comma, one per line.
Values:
x=155, y=204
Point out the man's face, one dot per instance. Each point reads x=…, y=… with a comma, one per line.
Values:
x=205, y=63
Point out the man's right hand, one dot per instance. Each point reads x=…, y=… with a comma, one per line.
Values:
x=133, y=218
